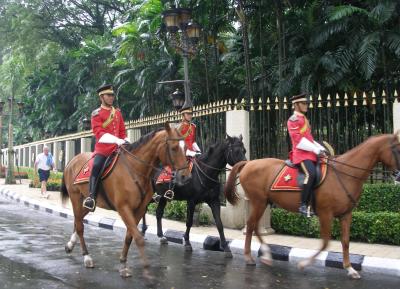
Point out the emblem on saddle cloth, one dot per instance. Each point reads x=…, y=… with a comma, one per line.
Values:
x=84, y=174
x=166, y=174
x=288, y=178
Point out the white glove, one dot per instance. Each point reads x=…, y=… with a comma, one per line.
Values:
x=196, y=147
x=190, y=153
x=317, y=151
x=319, y=146
x=120, y=142
x=109, y=138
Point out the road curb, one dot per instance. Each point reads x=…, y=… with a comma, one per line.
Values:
x=282, y=253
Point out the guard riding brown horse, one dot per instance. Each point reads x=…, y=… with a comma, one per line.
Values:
x=336, y=197
x=127, y=189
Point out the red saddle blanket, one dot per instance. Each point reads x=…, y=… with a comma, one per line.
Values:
x=84, y=174
x=286, y=180
x=166, y=174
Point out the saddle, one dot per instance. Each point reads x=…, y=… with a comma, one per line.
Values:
x=289, y=177
x=85, y=172
x=166, y=174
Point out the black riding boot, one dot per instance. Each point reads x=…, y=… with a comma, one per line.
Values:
x=90, y=202
x=308, y=168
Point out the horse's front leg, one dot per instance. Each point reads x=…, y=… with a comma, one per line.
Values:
x=125, y=271
x=325, y=223
x=159, y=214
x=216, y=211
x=144, y=224
x=345, y=222
x=189, y=222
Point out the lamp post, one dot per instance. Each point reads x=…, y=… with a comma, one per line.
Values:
x=183, y=34
x=10, y=179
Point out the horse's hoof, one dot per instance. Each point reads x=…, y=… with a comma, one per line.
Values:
x=188, y=248
x=148, y=276
x=88, y=261
x=68, y=249
x=250, y=262
x=163, y=240
x=353, y=274
x=125, y=272
x=228, y=255
x=266, y=260
x=302, y=264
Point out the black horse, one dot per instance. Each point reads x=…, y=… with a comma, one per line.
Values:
x=204, y=186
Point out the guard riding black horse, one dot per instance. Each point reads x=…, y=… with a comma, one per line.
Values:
x=204, y=186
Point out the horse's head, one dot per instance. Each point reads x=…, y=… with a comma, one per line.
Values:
x=235, y=151
x=390, y=155
x=173, y=155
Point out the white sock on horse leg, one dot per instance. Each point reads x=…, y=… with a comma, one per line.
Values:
x=266, y=253
x=71, y=243
x=88, y=261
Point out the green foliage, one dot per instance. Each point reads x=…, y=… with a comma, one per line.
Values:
x=375, y=220
x=176, y=210
x=382, y=197
x=54, y=56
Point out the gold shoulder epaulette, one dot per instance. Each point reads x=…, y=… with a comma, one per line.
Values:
x=96, y=111
x=293, y=118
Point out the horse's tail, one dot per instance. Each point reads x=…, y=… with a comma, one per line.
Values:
x=230, y=186
x=64, y=192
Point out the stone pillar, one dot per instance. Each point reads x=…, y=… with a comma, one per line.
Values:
x=396, y=115
x=238, y=123
x=25, y=162
x=21, y=157
x=134, y=134
x=56, y=152
x=30, y=153
x=69, y=150
x=86, y=145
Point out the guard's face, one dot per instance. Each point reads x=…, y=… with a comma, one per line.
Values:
x=188, y=116
x=302, y=106
x=107, y=99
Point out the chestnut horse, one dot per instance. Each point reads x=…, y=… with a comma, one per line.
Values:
x=127, y=189
x=336, y=197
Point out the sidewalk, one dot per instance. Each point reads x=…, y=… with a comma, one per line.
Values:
x=366, y=257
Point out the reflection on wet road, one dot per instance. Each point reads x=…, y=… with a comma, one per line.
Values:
x=32, y=256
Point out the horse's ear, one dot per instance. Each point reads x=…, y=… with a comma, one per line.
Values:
x=241, y=137
x=228, y=137
x=167, y=126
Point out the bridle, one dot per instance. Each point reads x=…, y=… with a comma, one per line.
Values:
x=228, y=153
x=395, y=155
x=168, y=153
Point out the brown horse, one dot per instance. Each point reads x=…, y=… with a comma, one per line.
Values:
x=127, y=189
x=336, y=197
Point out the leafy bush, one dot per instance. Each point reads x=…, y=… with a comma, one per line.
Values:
x=383, y=197
x=53, y=184
x=374, y=227
x=176, y=210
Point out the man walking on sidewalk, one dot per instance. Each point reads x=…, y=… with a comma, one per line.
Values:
x=43, y=164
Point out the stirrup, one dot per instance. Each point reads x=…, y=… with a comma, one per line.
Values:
x=89, y=199
x=169, y=195
x=156, y=198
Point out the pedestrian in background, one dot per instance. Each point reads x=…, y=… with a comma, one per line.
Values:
x=43, y=164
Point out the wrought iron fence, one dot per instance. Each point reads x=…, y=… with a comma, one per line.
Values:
x=341, y=120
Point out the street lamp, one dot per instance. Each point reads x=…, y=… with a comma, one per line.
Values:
x=86, y=125
x=178, y=99
x=183, y=34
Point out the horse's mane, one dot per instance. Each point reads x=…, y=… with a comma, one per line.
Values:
x=144, y=139
x=206, y=155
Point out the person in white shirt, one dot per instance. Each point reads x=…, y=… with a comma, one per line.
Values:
x=43, y=164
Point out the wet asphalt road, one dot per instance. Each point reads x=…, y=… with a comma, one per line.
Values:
x=32, y=256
